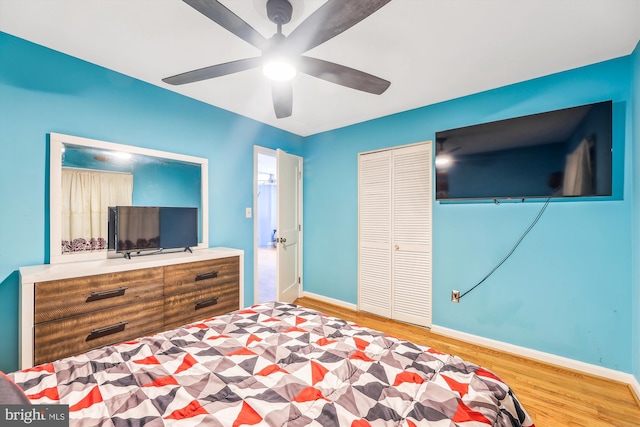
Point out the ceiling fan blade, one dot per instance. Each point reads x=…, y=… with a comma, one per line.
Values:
x=213, y=71
x=329, y=20
x=282, y=93
x=228, y=20
x=345, y=76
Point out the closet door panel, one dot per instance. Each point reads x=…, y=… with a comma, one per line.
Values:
x=411, y=231
x=375, y=281
x=412, y=287
x=374, y=219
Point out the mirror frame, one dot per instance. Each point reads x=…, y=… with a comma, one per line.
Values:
x=56, y=143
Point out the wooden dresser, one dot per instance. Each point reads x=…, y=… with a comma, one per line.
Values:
x=67, y=309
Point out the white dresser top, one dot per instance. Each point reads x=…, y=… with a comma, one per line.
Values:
x=46, y=272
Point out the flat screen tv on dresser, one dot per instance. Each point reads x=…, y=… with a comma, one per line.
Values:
x=138, y=230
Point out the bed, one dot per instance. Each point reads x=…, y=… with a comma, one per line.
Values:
x=272, y=364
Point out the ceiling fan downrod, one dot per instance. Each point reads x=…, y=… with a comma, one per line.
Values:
x=279, y=12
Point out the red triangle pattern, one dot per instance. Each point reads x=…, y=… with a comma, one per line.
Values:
x=324, y=341
x=93, y=397
x=191, y=410
x=268, y=370
x=358, y=355
x=199, y=325
x=294, y=329
x=215, y=337
x=465, y=414
x=187, y=363
x=161, y=382
x=360, y=343
x=151, y=360
x=247, y=415
x=308, y=394
x=407, y=377
x=361, y=423
x=253, y=338
x=317, y=372
x=49, y=393
x=47, y=368
x=241, y=352
x=461, y=388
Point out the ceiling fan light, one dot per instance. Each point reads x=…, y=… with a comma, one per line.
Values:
x=279, y=70
x=443, y=160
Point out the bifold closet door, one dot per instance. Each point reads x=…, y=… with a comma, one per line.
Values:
x=411, y=234
x=374, y=212
x=394, y=203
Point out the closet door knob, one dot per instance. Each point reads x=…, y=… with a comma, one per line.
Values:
x=396, y=247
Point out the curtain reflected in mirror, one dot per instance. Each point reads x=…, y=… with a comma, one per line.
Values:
x=86, y=198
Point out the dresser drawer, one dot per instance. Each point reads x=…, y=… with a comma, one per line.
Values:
x=192, y=276
x=77, y=334
x=70, y=297
x=199, y=304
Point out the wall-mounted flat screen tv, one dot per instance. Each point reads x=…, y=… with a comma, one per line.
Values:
x=561, y=153
x=148, y=229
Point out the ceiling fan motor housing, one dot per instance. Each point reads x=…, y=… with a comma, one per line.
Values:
x=279, y=11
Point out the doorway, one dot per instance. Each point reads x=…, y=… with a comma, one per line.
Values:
x=266, y=214
x=277, y=225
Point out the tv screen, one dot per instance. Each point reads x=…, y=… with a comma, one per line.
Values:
x=562, y=153
x=178, y=227
x=134, y=229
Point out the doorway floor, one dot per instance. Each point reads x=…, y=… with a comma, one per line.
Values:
x=266, y=274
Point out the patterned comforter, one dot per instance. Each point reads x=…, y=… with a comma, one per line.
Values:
x=272, y=364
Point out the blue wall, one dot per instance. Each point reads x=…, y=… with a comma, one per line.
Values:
x=566, y=290
x=635, y=88
x=43, y=91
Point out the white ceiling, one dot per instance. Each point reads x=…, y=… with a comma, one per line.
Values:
x=430, y=50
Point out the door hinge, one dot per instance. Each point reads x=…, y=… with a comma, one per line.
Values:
x=299, y=280
x=299, y=227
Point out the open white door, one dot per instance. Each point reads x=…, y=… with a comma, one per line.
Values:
x=288, y=244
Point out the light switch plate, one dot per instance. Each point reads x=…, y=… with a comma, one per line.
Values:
x=248, y=213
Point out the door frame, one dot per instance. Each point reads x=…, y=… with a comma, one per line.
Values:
x=272, y=152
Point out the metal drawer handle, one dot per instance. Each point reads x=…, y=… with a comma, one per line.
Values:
x=205, y=276
x=95, y=296
x=206, y=303
x=107, y=330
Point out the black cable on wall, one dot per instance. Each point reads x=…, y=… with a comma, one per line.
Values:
x=513, y=249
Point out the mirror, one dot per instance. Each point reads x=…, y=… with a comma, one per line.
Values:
x=158, y=179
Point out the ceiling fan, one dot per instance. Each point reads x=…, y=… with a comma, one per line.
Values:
x=284, y=53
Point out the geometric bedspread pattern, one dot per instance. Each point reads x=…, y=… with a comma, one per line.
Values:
x=273, y=364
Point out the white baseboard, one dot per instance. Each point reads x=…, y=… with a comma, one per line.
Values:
x=542, y=356
x=333, y=301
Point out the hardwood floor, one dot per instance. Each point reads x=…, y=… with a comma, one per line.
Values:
x=553, y=396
